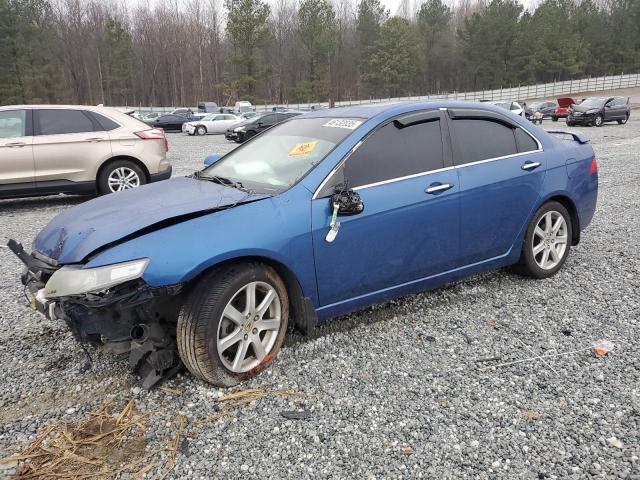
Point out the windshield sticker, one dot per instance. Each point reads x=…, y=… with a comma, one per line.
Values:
x=302, y=149
x=343, y=123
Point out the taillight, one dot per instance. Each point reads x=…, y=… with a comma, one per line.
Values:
x=154, y=134
x=593, y=168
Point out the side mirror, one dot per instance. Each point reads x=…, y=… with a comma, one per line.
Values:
x=348, y=201
x=211, y=159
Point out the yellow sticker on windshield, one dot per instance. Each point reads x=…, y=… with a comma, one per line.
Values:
x=302, y=149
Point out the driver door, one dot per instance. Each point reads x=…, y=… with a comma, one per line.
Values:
x=409, y=228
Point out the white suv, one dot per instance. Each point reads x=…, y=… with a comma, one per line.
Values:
x=47, y=149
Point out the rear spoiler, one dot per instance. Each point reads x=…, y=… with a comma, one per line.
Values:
x=577, y=136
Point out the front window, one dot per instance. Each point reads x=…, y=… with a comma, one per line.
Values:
x=278, y=158
x=13, y=123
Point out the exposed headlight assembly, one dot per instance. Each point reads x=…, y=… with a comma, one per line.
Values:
x=239, y=129
x=75, y=280
x=592, y=111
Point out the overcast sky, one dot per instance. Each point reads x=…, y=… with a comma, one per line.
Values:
x=394, y=5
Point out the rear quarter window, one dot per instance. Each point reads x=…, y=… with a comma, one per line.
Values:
x=106, y=123
x=524, y=141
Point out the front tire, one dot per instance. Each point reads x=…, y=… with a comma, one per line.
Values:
x=201, y=130
x=233, y=323
x=598, y=121
x=547, y=241
x=120, y=175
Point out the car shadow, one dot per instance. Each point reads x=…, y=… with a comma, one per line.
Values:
x=394, y=308
x=30, y=203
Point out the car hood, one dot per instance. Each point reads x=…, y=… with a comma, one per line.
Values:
x=76, y=233
x=580, y=108
x=564, y=102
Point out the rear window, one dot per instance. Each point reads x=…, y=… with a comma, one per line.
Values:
x=60, y=121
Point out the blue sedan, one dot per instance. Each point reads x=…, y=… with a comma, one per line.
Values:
x=326, y=213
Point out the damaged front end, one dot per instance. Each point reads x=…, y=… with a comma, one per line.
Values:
x=109, y=306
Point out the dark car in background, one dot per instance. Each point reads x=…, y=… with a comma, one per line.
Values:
x=598, y=110
x=251, y=127
x=562, y=110
x=169, y=122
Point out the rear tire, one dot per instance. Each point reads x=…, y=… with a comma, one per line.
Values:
x=554, y=119
x=120, y=175
x=218, y=329
x=624, y=120
x=547, y=242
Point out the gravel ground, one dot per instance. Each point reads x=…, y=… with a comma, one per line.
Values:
x=395, y=391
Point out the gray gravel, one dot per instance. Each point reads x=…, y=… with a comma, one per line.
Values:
x=395, y=391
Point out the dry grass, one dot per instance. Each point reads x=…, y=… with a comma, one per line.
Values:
x=103, y=446
x=109, y=444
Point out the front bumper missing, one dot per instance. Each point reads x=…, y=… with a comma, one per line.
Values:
x=128, y=318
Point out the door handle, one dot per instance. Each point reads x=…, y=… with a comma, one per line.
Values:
x=438, y=187
x=16, y=145
x=531, y=165
x=96, y=139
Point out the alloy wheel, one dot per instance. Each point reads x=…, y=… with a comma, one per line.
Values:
x=550, y=240
x=123, y=178
x=249, y=327
x=598, y=121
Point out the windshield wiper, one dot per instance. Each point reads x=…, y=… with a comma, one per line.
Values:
x=221, y=180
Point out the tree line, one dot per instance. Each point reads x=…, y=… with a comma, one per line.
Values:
x=178, y=52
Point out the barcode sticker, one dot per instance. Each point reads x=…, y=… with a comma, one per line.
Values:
x=343, y=123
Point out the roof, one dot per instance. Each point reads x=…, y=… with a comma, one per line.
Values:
x=374, y=109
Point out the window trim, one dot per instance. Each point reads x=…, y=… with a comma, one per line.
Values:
x=429, y=115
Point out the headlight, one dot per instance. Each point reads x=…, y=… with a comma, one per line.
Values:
x=75, y=280
x=239, y=129
x=593, y=110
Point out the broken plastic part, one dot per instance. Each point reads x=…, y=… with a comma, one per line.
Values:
x=602, y=347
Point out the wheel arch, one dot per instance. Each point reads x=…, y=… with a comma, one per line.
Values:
x=570, y=205
x=106, y=163
x=303, y=314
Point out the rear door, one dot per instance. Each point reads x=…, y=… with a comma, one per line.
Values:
x=17, y=168
x=67, y=146
x=501, y=168
x=619, y=108
x=409, y=227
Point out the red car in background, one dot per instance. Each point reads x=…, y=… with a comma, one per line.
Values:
x=562, y=110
